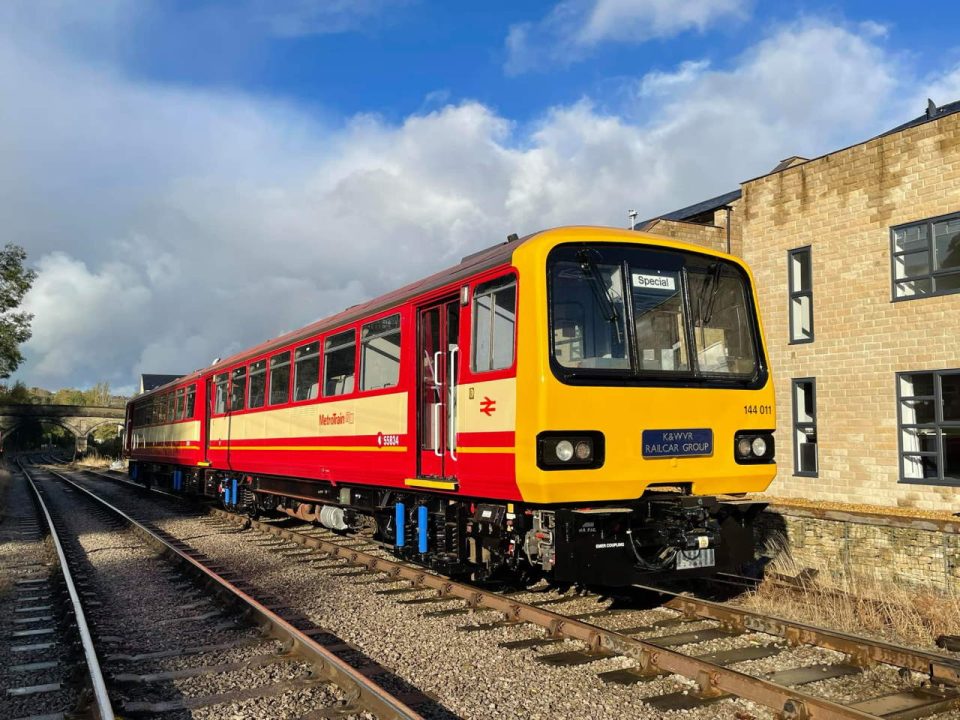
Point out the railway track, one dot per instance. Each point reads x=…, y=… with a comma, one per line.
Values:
x=52, y=664
x=914, y=683
x=182, y=638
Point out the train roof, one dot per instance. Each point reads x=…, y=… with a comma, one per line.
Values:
x=470, y=265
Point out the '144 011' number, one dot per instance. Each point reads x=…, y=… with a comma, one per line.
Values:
x=758, y=410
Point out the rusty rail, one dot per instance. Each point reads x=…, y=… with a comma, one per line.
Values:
x=713, y=680
x=102, y=708
x=356, y=686
x=940, y=668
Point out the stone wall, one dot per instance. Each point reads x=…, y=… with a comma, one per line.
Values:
x=848, y=549
x=711, y=236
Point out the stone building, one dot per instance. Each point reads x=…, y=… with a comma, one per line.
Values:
x=856, y=255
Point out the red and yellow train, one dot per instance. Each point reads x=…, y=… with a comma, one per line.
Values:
x=581, y=402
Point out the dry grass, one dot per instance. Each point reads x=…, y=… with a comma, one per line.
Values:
x=95, y=460
x=861, y=604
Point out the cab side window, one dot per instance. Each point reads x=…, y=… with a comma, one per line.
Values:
x=494, y=324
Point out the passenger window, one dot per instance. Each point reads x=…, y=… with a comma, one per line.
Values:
x=258, y=384
x=339, y=363
x=179, y=415
x=494, y=324
x=191, y=401
x=171, y=407
x=280, y=379
x=238, y=388
x=307, y=372
x=380, y=353
x=220, y=402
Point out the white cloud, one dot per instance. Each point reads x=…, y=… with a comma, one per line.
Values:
x=942, y=89
x=661, y=83
x=574, y=27
x=171, y=226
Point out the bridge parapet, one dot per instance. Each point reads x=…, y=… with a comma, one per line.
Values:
x=80, y=420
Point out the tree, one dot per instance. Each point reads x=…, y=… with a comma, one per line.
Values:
x=17, y=395
x=15, y=281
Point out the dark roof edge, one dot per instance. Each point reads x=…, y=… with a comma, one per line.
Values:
x=697, y=208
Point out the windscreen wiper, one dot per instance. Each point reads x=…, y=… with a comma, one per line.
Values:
x=712, y=283
x=602, y=293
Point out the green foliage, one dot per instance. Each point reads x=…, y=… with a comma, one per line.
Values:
x=99, y=395
x=17, y=395
x=15, y=281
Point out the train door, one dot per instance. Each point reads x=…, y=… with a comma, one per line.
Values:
x=439, y=356
x=205, y=405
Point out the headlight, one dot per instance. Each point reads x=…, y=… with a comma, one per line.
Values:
x=584, y=450
x=574, y=450
x=752, y=447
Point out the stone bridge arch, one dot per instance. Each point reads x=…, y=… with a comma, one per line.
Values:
x=79, y=420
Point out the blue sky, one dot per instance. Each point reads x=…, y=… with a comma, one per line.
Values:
x=395, y=58
x=193, y=177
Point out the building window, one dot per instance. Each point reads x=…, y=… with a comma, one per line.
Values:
x=929, y=413
x=805, y=460
x=494, y=324
x=380, y=353
x=926, y=257
x=801, y=295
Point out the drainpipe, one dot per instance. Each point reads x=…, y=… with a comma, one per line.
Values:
x=729, y=210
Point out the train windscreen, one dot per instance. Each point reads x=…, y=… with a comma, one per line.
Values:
x=650, y=313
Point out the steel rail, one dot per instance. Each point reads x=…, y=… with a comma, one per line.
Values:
x=940, y=668
x=713, y=680
x=653, y=659
x=104, y=709
x=358, y=688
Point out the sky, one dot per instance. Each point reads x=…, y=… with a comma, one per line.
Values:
x=191, y=178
